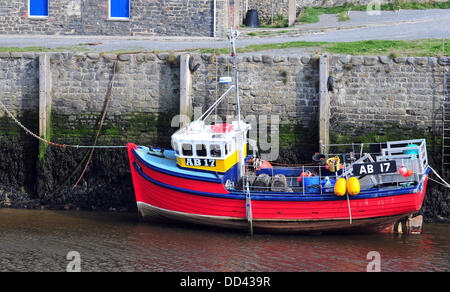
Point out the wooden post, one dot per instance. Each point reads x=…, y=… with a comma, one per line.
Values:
x=324, y=103
x=45, y=102
x=292, y=12
x=185, y=90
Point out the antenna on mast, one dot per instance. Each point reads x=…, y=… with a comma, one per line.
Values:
x=234, y=34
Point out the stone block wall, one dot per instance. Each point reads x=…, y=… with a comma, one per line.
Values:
x=19, y=81
x=145, y=93
x=376, y=96
x=90, y=17
x=265, y=8
x=370, y=94
x=268, y=85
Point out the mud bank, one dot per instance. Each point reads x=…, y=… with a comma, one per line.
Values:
x=106, y=185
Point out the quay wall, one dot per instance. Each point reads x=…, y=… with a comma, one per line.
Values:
x=372, y=98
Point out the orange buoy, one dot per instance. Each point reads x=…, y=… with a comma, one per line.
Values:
x=264, y=164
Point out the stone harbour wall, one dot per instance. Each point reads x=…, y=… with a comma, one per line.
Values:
x=373, y=98
x=383, y=96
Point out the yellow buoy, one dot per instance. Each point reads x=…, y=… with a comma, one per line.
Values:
x=340, y=188
x=353, y=186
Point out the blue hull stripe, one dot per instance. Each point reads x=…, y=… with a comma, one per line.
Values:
x=294, y=197
x=158, y=169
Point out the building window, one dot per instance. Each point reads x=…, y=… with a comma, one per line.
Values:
x=119, y=9
x=38, y=8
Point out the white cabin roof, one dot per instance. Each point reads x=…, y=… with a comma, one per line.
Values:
x=222, y=136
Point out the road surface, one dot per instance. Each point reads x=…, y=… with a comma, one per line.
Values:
x=388, y=25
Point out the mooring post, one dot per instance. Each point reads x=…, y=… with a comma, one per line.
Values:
x=324, y=103
x=292, y=14
x=185, y=90
x=44, y=115
x=44, y=95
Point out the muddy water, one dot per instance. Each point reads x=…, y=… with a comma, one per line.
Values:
x=40, y=240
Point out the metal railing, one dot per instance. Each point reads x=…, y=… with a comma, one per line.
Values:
x=411, y=154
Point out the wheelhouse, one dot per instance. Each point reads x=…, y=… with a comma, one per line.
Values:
x=212, y=148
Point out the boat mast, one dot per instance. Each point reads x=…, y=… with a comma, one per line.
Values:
x=233, y=36
x=240, y=130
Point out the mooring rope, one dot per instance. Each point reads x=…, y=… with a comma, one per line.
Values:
x=108, y=100
x=29, y=132
x=444, y=183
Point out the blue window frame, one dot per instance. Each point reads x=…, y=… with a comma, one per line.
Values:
x=119, y=9
x=38, y=8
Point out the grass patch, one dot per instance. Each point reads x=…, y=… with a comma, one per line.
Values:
x=265, y=47
x=279, y=21
x=430, y=48
x=267, y=33
x=260, y=33
x=343, y=16
x=312, y=14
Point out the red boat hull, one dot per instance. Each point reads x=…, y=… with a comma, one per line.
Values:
x=201, y=202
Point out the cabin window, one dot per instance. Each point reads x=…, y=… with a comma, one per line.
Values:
x=119, y=9
x=227, y=148
x=201, y=150
x=187, y=149
x=38, y=8
x=216, y=151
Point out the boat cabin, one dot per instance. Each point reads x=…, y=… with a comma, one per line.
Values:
x=209, y=147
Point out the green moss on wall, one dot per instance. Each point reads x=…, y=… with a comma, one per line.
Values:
x=389, y=133
x=297, y=142
x=142, y=128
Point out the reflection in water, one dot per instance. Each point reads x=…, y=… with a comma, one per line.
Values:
x=40, y=240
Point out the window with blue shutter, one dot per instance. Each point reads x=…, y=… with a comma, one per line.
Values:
x=38, y=7
x=119, y=8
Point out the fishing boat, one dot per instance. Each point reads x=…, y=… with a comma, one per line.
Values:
x=210, y=177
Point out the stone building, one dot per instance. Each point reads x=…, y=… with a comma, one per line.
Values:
x=113, y=17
